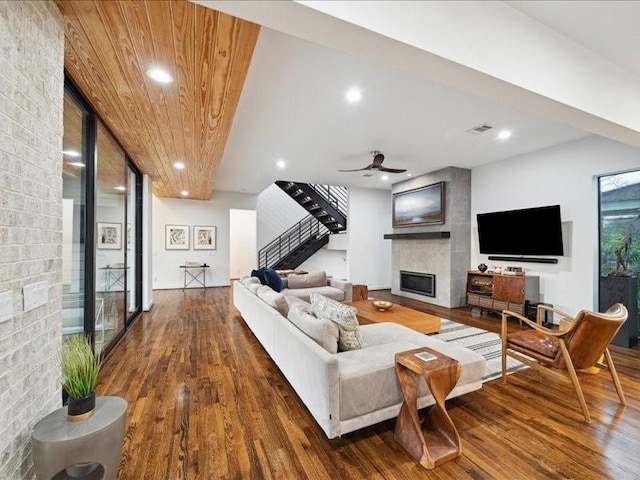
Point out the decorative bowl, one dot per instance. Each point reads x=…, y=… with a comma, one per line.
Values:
x=381, y=305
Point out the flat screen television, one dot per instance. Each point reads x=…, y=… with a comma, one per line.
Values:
x=530, y=231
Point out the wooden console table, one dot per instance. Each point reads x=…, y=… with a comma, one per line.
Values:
x=439, y=442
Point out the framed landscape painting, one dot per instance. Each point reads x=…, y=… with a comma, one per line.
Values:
x=204, y=237
x=421, y=206
x=176, y=237
x=109, y=236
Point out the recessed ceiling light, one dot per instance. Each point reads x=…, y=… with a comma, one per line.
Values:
x=384, y=177
x=159, y=75
x=71, y=153
x=281, y=164
x=77, y=164
x=120, y=188
x=178, y=165
x=409, y=174
x=184, y=193
x=353, y=95
x=504, y=134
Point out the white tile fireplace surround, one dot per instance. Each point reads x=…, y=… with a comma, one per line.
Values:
x=433, y=256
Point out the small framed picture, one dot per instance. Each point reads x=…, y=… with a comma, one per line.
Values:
x=204, y=237
x=109, y=236
x=176, y=237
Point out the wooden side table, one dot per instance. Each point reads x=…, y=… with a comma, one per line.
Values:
x=436, y=440
x=360, y=292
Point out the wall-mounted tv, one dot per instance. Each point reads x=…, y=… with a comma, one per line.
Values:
x=530, y=231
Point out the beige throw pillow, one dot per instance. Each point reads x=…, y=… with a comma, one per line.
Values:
x=310, y=280
x=324, y=332
x=349, y=337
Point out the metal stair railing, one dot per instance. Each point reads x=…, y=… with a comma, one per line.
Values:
x=290, y=240
x=337, y=196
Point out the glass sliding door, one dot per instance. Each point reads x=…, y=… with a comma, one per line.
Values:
x=74, y=182
x=134, y=196
x=102, y=227
x=620, y=243
x=111, y=239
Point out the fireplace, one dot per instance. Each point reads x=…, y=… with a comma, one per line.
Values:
x=420, y=283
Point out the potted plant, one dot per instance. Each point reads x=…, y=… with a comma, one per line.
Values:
x=80, y=367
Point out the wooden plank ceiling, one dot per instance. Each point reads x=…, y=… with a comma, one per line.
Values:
x=109, y=46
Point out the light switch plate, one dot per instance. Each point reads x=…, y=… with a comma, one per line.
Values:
x=35, y=295
x=6, y=306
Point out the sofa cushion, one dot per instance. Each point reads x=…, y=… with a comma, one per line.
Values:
x=272, y=279
x=274, y=299
x=324, y=332
x=309, y=280
x=368, y=380
x=246, y=281
x=326, y=291
x=349, y=337
x=253, y=287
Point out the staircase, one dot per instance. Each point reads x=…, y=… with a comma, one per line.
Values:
x=327, y=207
x=327, y=203
x=294, y=246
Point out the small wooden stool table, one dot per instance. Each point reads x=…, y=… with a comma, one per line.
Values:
x=438, y=441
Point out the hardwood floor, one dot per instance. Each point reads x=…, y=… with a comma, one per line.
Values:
x=207, y=402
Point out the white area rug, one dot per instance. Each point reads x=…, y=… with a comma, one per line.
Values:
x=481, y=341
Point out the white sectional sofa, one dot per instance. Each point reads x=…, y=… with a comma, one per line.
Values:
x=349, y=390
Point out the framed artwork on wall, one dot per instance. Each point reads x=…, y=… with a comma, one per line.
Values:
x=204, y=237
x=176, y=237
x=109, y=236
x=421, y=206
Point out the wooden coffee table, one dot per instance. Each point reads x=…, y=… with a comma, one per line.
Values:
x=435, y=440
x=413, y=319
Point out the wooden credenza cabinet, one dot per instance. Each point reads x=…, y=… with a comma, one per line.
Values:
x=497, y=292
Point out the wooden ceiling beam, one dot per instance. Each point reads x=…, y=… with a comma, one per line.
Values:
x=109, y=47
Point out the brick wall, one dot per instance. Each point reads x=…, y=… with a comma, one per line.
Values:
x=31, y=93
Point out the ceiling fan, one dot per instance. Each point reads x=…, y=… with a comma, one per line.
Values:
x=378, y=158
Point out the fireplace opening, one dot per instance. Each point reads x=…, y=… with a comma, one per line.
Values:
x=420, y=283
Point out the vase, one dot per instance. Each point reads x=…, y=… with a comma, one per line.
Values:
x=79, y=409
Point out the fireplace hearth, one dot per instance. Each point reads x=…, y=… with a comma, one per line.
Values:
x=417, y=282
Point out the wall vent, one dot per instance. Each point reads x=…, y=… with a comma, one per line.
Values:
x=480, y=129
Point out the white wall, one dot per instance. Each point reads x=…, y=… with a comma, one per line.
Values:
x=170, y=211
x=243, y=253
x=276, y=212
x=369, y=255
x=562, y=175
